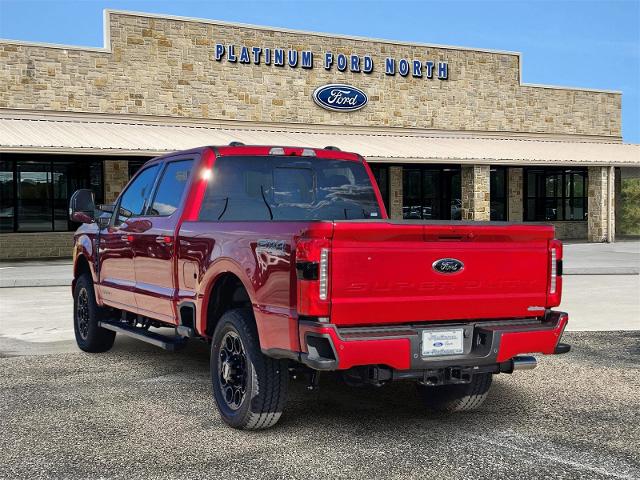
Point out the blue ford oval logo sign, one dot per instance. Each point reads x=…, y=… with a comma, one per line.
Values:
x=340, y=98
x=448, y=265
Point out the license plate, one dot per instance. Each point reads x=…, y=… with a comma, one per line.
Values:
x=442, y=342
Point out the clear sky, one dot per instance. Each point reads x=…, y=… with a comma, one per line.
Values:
x=581, y=43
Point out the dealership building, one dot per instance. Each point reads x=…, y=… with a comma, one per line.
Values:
x=450, y=133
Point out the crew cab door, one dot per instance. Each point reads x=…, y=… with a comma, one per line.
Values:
x=154, y=242
x=116, y=264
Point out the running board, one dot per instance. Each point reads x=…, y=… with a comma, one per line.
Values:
x=162, y=341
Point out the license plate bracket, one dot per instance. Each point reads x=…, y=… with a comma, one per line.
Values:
x=440, y=342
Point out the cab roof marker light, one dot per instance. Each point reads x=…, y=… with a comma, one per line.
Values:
x=308, y=152
x=276, y=151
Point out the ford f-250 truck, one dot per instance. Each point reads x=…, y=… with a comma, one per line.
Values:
x=284, y=259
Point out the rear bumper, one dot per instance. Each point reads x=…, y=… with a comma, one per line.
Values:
x=328, y=347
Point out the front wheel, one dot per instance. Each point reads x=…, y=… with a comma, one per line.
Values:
x=86, y=314
x=457, y=398
x=250, y=389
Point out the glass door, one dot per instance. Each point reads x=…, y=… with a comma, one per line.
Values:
x=34, y=197
x=431, y=193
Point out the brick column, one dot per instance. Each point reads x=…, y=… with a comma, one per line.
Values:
x=618, y=201
x=116, y=176
x=475, y=192
x=515, y=187
x=395, y=192
x=601, y=202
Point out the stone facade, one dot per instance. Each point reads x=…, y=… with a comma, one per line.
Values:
x=395, y=192
x=22, y=246
x=601, y=214
x=570, y=230
x=515, y=194
x=475, y=192
x=116, y=176
x=161, y=66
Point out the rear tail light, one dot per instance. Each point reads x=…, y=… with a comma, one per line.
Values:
x=553, y=281
x=554, y=292
x=313, y=277
x=324, y=273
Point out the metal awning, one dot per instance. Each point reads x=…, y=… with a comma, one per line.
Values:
x=95, y=135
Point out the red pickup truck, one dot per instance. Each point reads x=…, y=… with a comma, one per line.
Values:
x=284, y=260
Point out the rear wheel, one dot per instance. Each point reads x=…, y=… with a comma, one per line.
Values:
x=457, y=398
x=250, y=389
x=86, y=315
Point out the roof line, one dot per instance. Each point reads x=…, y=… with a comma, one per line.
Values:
x=106, y=48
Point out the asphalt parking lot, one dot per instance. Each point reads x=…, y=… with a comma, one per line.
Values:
x=140, y=412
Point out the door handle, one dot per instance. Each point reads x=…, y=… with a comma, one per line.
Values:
x=164, y=240
x=126, y=238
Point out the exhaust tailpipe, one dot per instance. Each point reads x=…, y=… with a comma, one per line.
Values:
x=524, y=363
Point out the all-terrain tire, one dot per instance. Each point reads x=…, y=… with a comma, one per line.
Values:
x=457, y=398
x=86, y=315
x=265, y=380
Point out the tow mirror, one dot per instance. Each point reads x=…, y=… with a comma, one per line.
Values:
x=82, y=206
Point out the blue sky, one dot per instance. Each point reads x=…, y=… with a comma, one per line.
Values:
x=582, y=43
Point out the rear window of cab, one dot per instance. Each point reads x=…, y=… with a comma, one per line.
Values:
x=260, y=188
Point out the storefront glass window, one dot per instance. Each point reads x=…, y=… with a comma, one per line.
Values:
x=7, y=199
x=498, y=193
x=431, y=193
x=35, y=190
x=555, y=194
x=381, y=174
x=34, y=197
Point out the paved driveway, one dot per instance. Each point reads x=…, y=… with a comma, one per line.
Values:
x=138, y=412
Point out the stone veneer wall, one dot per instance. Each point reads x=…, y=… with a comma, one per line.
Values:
x=475, y=192
x=515, y=194
x=395, y=192
x=598, y=194
x=23, y=246
x=574, y=230
x=116, y=176
x=167, y=67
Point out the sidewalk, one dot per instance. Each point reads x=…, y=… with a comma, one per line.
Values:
x=36, y=273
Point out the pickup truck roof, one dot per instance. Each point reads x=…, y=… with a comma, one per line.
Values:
x=265, y=150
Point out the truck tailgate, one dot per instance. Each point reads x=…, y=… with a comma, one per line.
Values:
x=383, y=272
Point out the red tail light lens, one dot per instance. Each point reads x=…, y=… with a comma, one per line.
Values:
x=554, y=291
x=313, y=272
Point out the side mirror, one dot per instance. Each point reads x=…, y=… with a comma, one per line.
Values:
x=82, y=206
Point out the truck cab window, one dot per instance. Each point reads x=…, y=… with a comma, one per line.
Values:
x=289, y=189
x=136, y=196
x=171, y=187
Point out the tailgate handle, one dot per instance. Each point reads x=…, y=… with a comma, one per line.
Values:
x=454, y=237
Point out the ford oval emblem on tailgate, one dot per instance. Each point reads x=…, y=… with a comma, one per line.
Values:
x=448, y=265
x=340, y=98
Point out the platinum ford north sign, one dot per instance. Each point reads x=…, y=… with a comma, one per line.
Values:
x=340, y=98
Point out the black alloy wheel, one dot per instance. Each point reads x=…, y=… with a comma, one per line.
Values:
x=87, y=314
x=232, y=370
x=250, y=388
